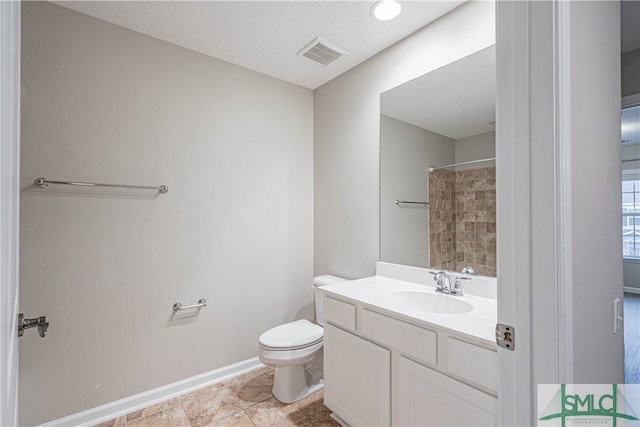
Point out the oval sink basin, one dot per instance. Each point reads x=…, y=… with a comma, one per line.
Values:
x=429, y=302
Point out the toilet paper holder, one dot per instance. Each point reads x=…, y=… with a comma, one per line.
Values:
x=201, y=303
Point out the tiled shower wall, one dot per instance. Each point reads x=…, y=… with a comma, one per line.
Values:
x=442, y=217
x=462, y=220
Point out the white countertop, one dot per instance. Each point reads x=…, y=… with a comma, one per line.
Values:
x=479, y=323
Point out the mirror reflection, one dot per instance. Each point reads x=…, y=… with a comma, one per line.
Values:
x=443, y=121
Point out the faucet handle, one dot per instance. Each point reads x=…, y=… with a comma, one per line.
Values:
x=468, y=270
x=437, y=278
x=457, y=287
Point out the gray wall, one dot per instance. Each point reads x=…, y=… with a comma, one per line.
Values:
x=101, y=103
x=347, y=135
x=631, y=73
x=476, y=147
x=405, y=152
x=631, y=275
x=631, y=151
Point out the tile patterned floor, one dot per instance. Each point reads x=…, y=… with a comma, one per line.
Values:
x=631, y=338
x=244, y=401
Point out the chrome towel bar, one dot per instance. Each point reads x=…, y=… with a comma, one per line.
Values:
x=405, y=202
x=44, y=183
x=201, y=303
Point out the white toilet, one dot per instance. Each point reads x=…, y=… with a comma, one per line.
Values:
x=295, y=350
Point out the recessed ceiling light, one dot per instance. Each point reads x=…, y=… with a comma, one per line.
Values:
x=385, y=10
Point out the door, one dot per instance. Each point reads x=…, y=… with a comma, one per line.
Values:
x=9, y=207
x=554, y=58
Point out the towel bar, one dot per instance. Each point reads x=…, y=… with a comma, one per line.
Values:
x=201, y=303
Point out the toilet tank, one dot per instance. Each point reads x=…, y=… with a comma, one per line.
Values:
x=318, y=299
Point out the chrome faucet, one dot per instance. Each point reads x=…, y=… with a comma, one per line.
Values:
x=444, y=283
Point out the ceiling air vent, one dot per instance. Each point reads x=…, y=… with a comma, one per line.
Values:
x=322, y=51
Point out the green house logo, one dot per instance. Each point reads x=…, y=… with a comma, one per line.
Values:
x=593, y=408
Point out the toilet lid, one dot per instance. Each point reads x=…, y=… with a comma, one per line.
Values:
x=291, y=335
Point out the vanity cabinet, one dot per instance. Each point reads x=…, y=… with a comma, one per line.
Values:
x=357, y=376
x=429, y=398
x=385, y=369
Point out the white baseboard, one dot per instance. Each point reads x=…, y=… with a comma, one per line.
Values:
x=632, y=290
x=142, y=400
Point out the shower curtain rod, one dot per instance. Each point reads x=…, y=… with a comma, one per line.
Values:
x=431, y=168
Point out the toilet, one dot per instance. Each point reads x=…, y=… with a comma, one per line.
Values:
x=295, y=351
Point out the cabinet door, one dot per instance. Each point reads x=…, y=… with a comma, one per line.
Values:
x=429, y=398
x=357, y=379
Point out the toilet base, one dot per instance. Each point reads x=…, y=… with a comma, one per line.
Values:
x=294, y=382
x=285, y=395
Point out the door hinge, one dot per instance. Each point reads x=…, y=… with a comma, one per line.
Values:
x=506, y=336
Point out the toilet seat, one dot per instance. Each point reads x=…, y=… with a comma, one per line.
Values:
x=291, y=336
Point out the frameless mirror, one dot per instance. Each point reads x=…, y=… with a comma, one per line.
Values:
x=445, y=219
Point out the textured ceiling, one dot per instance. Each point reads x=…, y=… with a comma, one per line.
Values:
x=266, y=35
x=457, y=100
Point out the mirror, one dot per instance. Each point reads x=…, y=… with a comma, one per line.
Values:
x=445, y=219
